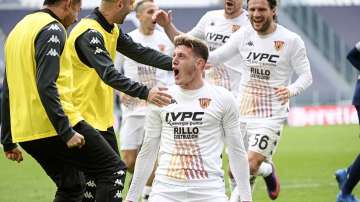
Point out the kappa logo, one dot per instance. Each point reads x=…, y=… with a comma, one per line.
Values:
x=54, y=27
x=118, y=182
x=98, y=50
x=118, y=194
x=91, y=183
x=279, y=45
x=52, y=52
x=54, y=39
x=250, y=43
x=94, y=40
x=93, y=31
x=88, y=195
x=120, y=172
x=204, y=102
x=235, y=28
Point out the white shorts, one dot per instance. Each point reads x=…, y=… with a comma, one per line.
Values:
x=263, y=139
x=174, y=193
x=132, y=133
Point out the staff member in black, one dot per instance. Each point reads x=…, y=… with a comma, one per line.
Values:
x=93, y=44
x=38, y=112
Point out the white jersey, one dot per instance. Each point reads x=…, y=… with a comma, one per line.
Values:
x=191, y=133
x=215, y=29
x=269, y=63
x=150, y=76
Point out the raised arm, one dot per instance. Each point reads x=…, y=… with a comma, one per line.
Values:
x=228, y=50
x=164, y=19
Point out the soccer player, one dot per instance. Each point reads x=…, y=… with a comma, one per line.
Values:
x=348, y=178
x=38, y=113
x=190, y=134
x=92, y=45
x=215, y=27
x=132, y=130
x=271, y=54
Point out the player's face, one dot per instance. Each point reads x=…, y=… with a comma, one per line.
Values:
x=261, y=15
x=146, y=14
x=232, y=6
x=184, y=67
x=73, y=13
x=127, y=6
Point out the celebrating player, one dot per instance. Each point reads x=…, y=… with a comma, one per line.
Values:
x=190, y=133
x=271, y=54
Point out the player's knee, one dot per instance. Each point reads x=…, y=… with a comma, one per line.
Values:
x=254, y=165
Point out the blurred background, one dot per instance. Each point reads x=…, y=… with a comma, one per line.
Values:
x=322, y=132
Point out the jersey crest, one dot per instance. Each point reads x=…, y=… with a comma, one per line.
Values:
x=204, y=102
x=279, y=45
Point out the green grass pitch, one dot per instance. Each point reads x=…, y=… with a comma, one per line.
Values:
x=305, y=160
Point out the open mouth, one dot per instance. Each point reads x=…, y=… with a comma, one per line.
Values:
x=229, y=3
x=176, y=72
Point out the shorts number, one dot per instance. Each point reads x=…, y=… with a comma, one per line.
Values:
x=263, y=141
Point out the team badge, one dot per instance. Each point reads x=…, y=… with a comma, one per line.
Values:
x=161, y=48
x=204, y=102
x=235, y=28
x=279, y=45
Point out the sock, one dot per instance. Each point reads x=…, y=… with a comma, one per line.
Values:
x=232, y=183
x=252, y=182
x=353, y=177
x=146, y=193
x=265, y=169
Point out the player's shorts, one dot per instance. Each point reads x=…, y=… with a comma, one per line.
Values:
x=174, y=193
x=263, y=139
x=132, y=133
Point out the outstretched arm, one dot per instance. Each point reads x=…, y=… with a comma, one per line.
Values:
x=141, y=54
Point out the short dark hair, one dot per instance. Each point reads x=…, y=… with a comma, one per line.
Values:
x=198, y=47
x=272, y=3
x=52, y=2
x=139, y=4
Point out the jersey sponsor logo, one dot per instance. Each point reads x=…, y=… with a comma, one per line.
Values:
x=98, y=50
x=54, y=27
x=204, y=102
x=260, y=73
x=184, y=116
x=279, y=45
x=217, y=37
x=262, y=57
x=95, y=40
x=54, y=39
x=235, y=28
x=52, y=52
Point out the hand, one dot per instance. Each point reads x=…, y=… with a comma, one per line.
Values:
x=283, y=93
x=14, y=155
x=158, y=97
x=76, y=140
x=162, y=17
x=208, y=66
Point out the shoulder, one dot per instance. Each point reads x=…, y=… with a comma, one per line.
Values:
x=213, y=14
x=288, y=34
